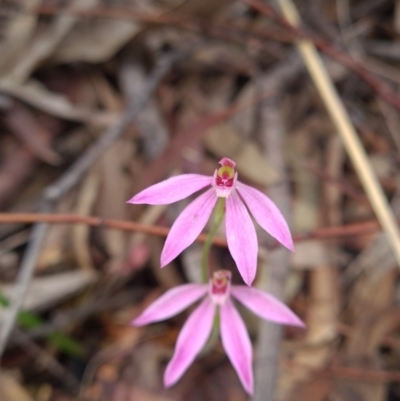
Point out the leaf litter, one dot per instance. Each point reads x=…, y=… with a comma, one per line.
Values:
x=68, y=71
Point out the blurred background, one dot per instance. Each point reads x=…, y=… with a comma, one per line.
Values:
x=102, y=98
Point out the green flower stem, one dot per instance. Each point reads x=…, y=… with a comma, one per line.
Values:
x=218, y=216
x=212, y=340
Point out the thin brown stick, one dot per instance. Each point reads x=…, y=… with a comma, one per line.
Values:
x=345, y=129
x=348, y=230
x=359, y=374
x=349, y=373
x=94, y=221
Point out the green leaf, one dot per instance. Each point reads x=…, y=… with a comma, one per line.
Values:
x=66, y=344
x=30, y=320
x=3, y=300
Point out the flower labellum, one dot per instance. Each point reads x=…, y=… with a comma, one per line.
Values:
x=217, y=295
x=240, y=231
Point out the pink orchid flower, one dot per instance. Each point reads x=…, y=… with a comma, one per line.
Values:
x=240, y=231
x=198, y=326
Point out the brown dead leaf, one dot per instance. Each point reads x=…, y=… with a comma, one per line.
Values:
x=17, y=35
x=11, y=390
x=95, y=40
x=32, y=136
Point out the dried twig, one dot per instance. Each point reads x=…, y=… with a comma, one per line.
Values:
x=67, y=181
x=348, y=230
x=93, y=221
x=294, y=27
x=347, y=132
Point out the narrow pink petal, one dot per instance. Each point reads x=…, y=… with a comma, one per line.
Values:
x=191, y=340
x=265, y=305
x=172, y=190
x=266, y=214
x=171, y=303
x=237, y=344
x=241, y=237
x=188, y=226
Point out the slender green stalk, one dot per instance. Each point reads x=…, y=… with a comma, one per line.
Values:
x=212, y=340
x=218, y=216
x=206, y=274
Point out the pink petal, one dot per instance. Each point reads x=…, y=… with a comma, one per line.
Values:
x=188, y=226
x=191, y=340
x=266, y=214
x=241, y=237
x=171, y=303
x=172, y=190
x=265, y=305
x=237, y=344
